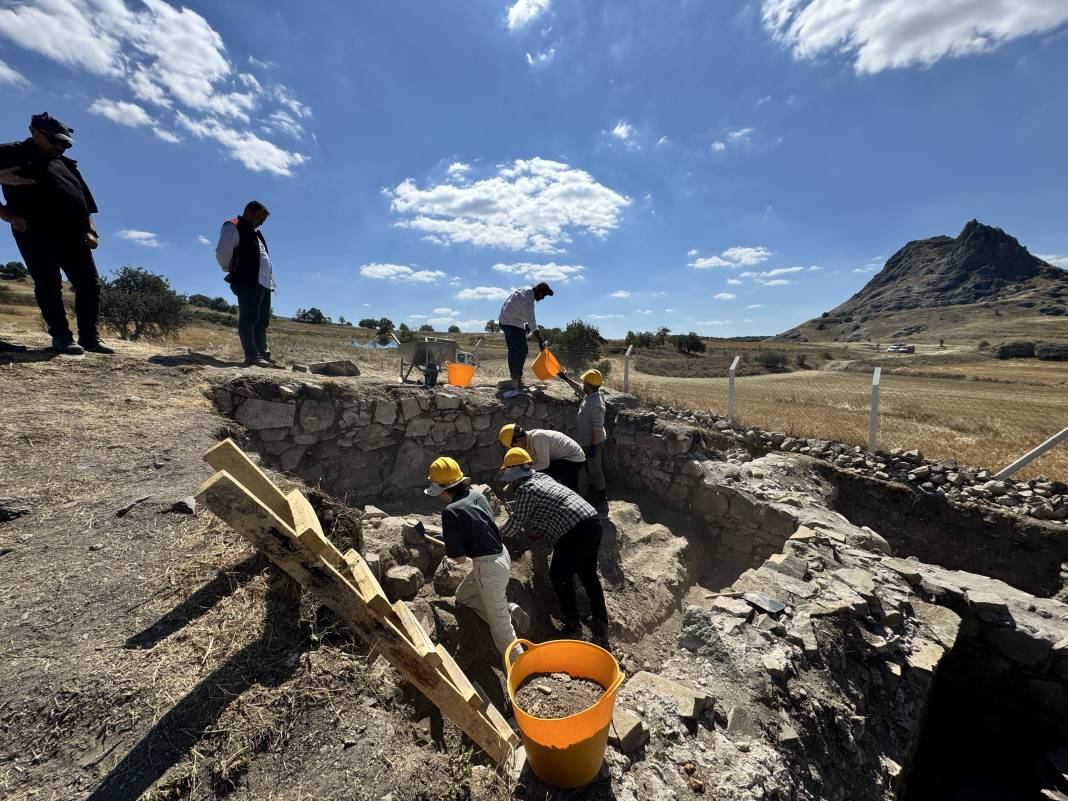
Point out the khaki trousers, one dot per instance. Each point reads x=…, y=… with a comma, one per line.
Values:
x=484, y=591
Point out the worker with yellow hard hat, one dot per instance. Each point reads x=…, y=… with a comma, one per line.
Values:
x=552, y=452
x=470, y=533
x=591, y=432
x=569, y=524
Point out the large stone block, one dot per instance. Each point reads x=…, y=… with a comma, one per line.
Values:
x=419, y=427
x=317, y=415
x=256, y=414
x=411, y=466
x=338, y=367
x=403, y=582
x=385, y=412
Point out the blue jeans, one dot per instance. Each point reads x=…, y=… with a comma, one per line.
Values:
x=516, y=340
x=253, y=317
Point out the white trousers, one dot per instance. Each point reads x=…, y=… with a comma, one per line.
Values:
x=484, y=590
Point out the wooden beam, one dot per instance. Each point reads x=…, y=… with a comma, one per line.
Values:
x=227, y=456
x=416, y=634
x=495, y=717
x=368, y=586
x=459, y=678
x=254, y=521
x=304, y=516
x=322, y=547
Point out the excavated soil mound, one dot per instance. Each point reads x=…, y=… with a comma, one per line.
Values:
x=557, y=695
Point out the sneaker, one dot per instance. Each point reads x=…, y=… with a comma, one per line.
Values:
x=520, y=619
x=66, y=346
x=254, y=363
x=96, y=346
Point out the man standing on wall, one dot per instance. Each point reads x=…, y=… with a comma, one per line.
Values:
x=49, y=208
x=243, y=255
x=517, y=323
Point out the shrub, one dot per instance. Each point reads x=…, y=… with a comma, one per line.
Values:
x=7, y=297
x=802, y=361
x=426, y=328
x=217, y=318
x=605, y=368
x=311, y=315
x=771, y=359
x=222, y=305
x=454, y=329
x=689, y=343
x=137, y=303
x=578, y=345
x=983, y=345
x=827, y=355
x=14, y=271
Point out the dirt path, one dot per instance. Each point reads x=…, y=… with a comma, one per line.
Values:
x=147, y=653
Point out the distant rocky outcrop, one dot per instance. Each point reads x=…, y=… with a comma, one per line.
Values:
x=983, y=267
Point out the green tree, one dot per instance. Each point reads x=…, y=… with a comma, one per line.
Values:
x=199, y=300
x=136, y=303
x=492, y=327
x=384, y=326
x=771, y=360
x=426, y=328
x=311, y=315
x=367, y=322
x=578, y=345
x=14, y=270
x=662, y=335
x=404, y=333
x=222, y=305
x=688, y=343
x=454, y=329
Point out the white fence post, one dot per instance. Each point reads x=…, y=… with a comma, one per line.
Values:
x=626, y=368
x=873, y=425
x=1031, y=455
x=730, y=388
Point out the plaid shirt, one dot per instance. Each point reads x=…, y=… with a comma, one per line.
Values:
x=548, y=507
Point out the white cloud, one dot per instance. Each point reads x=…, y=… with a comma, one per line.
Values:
x=643, y=311
x=691, y=252
x=1057, y=261
x=605, y=316
x=712, y=322
x=542, y=58
x=399, y=272
x=777, y=282
x=724, y=296
x=444, y=322
x=167, y=56
x=761, y=101
x=668, y=311
x=621, y=293
x=733, y=257
x=663, y=140
x=144, y=238
x=747, y=274
x=483, y=293
x=868, y=269
x=893, y=34
x=129, y=114
x=740, y=135
x=531, y=204
x=11, y=77
x=524, y=12
x=718, y=146
x=255, y=153
x=562, y=273
x=458, y=170
x=203, y=240
x=754, y=306
x=734, y=282
x=781, y=271
x=623, y=131
x=283, y=122
x=814, y=269
x=445, y=311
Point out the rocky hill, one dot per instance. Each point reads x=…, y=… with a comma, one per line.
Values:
x=980, y=284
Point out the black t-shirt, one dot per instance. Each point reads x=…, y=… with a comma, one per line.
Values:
x=58, y=198
x=468, y=526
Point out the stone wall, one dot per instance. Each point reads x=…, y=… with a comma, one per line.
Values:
x=370, y=442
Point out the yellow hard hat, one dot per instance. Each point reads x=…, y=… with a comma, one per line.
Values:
x=593, y=378
x=516, y=457
x=445, y=472
x=509, y=433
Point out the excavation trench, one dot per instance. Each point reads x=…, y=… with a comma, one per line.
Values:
x=684, y=523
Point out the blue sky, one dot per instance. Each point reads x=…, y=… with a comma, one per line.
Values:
x=711, y=166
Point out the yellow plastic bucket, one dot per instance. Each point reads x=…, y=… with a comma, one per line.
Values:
x=565, y=752
x=545, y=366
x=460, y=375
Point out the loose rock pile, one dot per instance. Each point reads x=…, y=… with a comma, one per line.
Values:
x=961, y=485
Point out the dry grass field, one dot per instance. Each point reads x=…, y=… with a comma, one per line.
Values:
x=950, y=403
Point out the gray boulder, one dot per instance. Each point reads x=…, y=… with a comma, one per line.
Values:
x=1052, y=351
x=1016, y=349
x=338, y=367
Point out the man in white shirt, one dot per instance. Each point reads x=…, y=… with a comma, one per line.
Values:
x=517, y=323
x=242, y=253
x=554, y=453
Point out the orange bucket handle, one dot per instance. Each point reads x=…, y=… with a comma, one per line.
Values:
x=527, y=645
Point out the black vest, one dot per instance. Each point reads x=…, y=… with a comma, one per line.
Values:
x=245, y=263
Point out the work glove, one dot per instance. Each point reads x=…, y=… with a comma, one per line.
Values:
x=591, y=451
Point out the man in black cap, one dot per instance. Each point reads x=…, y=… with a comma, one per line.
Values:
x=50, y=213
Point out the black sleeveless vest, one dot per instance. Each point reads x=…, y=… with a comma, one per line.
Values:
x=245, y=263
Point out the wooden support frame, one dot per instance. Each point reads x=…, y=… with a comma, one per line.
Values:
x=289, y=533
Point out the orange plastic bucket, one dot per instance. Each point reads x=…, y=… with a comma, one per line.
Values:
x=546, y=366
x=565, y=752
x=460, y=375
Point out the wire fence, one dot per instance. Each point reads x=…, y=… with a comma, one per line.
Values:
x=980, y=423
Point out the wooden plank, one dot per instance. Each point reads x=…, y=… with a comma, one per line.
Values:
x=416, y=634
x=254, y=521
x=495, y=717
x=458, y=678
x=227, y=456
x=319, y=545
x=304, y=516
x=369, y=588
